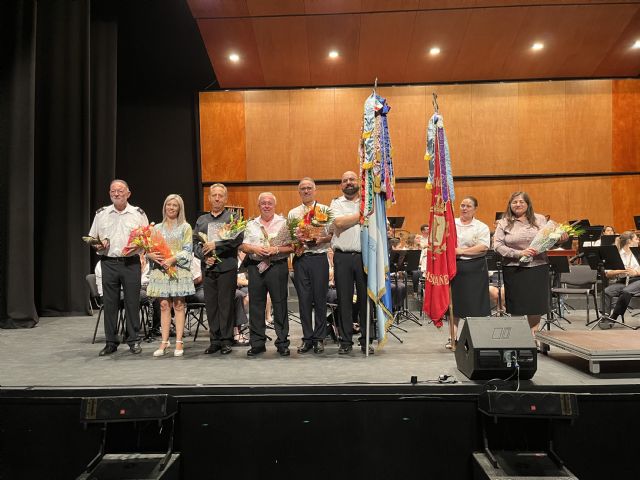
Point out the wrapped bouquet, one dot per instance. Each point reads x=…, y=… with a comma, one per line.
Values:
x=279, y=239
x=226, y=231
x=549, y=235
x=311, y=226
x=150, y=240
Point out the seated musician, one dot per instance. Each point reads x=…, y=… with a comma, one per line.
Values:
x=625, y=282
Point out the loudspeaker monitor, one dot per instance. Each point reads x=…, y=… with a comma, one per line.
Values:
x=494, y=347
x=118, y=409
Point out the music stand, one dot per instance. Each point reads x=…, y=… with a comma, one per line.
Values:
x=591, y=234
x=558, y=264
x=408, y=261
x=604, y=258
x=395, y=222
x=394, y=261
x=636, y=221
x=494, y=263
x=579, y=223
x=608, y=239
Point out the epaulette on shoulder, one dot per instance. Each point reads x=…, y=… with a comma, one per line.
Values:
x=140, y=211
x=100, y=210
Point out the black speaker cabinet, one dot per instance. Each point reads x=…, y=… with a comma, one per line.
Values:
x=519, y=466
x=492, y=347
x=122, y=409
x=529, y=404
x=135, y=466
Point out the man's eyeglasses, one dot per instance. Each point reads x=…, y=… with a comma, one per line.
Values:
x=117, y=192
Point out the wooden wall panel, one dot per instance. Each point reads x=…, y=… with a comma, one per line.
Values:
x=267, y=134
x=222, y=136
x=541, y=127
x=311, y=135
x=504, y=129
x=588, y=132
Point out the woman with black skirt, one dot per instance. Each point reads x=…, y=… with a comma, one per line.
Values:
x=470, y=286
x=526, y=284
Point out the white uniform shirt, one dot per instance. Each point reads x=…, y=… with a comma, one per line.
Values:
x=299, y=212
x=472, y=234
x=116, y=226
x=349, y=239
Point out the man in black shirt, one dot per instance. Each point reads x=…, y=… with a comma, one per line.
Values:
x=220, y=272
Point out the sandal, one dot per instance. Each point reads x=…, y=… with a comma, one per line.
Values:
x=448, y=345
x=241, y=339
x=180, y=352
x=162, y=351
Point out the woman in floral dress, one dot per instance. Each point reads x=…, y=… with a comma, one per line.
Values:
x=170, y=278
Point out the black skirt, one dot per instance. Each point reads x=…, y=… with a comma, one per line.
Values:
x=526, y=290
x=470, y=288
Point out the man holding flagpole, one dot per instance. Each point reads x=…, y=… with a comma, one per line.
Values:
x=347, y=262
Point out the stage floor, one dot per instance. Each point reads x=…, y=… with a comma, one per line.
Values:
x=58, y=354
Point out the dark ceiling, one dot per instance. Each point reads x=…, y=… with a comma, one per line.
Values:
x=285, y=43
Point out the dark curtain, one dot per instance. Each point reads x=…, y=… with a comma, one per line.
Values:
x=17, y=204
x=84, y=81
x=61, y=136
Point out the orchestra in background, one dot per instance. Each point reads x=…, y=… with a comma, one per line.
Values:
x=517, y=284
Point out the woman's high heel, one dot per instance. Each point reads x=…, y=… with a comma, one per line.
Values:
x=162, y=351
x=176, y=352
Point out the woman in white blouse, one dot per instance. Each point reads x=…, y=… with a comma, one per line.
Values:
x=626, y=283
x=470, y=286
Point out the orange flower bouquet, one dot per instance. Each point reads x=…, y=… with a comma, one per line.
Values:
x=150, y=240
x=310, y=227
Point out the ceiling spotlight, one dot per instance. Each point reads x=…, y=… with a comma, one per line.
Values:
x=537, y=46
x=333, y=54
x=234, y=57
x=434, y=51
x=636, y=45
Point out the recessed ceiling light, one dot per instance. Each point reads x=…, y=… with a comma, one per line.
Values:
x=333, y=54
x=234, y=57
x=537, y=46
x=636, y=45
x=434, y=51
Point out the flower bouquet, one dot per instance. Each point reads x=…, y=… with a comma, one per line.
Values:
x=226, y=231
x=203, y=238
x=279, y=239
x=150, y=240
x=311, y=226
x=549, y=235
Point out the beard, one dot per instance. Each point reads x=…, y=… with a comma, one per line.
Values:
x=350, y=190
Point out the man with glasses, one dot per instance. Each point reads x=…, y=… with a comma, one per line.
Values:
x=311, y=276
x=112, y=225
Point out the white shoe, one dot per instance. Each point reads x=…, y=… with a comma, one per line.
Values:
x=179, y=353
x=162, y=351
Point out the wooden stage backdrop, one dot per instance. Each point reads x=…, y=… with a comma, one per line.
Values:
x=573, y=145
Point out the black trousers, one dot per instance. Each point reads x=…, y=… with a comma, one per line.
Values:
x=311, y=279
x=124, y=273
x=274, y=282
x=219, y=299
x=348, y=270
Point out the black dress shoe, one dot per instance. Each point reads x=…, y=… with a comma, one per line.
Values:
x=284, y=352
x=344, y=349
x=255, y=351
x=108, y=349
x=135, y=348
x=371, y=351
x=305, y=347
x=318, y=347
x=213, y=349
x=225, y=350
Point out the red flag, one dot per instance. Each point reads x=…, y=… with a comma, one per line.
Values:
x=441, y=252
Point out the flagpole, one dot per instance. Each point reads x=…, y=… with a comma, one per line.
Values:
x=451, y=331
x=367, y=333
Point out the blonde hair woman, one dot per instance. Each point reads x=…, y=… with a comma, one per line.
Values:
x=171, y=289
